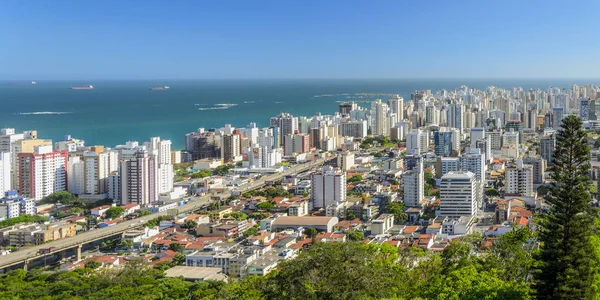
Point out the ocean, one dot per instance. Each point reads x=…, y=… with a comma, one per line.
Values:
x=115, y=112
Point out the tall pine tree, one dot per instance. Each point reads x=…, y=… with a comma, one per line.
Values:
x=566, y=260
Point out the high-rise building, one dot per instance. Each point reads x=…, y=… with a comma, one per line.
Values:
x=446, y=141
x=230, y=147
x=42, y=172
x=295, y=143
x=346, y=108
x=454, y=116
x=474, y=162
x=379, y=115
x=356, y=129
x=584, y=109
x=519, y=179
x=516, y=126
x=396, y=105
x=448, y=164
x=286, y=123
x=327, y=187
x=547, y=146
x=539, y=168
x=476, y=134
x=459, y=194
x=417, y=142
x=413, y=187
x=24, y=146
x=161, y=149
x=200, y=145
x=558, y=114
x=138, y=179
x=5, y=178
x=316, y=136
x=485, y=147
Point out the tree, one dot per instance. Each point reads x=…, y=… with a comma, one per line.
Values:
x=350, y=215
x=145, y=212
x=176, y=247
x=566, y=258
x=597, y=143
x=355, y=235
x=223, y=170
x=355, y=178
x=310, y=232
x=201, y=174
x=237, y=216
x=62, y=197
x=190, y=224
x=397, y=209
x=265, y=206
x=250, y=231
x=92, y=265
x=114, y=212
x=492, y=192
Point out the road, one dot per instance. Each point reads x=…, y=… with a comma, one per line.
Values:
x=96, y=234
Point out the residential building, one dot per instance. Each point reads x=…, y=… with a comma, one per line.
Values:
x=138, y=179
x=42, y=172
x=230, y=148
x=5, y=167
x=460, y=194
x=519, y=179
x=319, y=223
x=327, y=187
x=547, y=145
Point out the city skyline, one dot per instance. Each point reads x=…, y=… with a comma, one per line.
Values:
x=237, y=40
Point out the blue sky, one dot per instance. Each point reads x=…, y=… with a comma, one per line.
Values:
x=112, y=39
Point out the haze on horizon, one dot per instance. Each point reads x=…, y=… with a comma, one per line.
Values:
x=96, y=39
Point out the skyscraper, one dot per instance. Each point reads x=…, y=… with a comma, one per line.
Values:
x=558, y=114
x=396, y=105
x=230, y=147
x=459, y=194
x=327, y=187
x=42, y=172
x=379, y=114
x=138, y=179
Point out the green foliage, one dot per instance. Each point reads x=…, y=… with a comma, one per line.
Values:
x=92, y=265
x=201, y=174
x=250, y=231
x=492, y=192
x=62, y=197
x=355, y=178
x=238, y=215
x=258, y=215
x=567, y=262
x=145, y=212
x=355, y=235
x=350, y=215
x=190, y=224
x=351, y=270
x=397, y=209
x=269, y=192
x=156, y=221
x=542, y=190
x=22, y=219
x=176, y=247
x=265, y=206
x=223, y=170
x=369, y=142
x=114, y=212
x=597, y=143
x=428, y=177
x=310, y=232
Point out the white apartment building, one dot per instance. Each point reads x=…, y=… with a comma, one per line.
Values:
x=417, y=142
x=42, y=172
x=413, y=185
x=396, y=105
x=327, y=187
x=5, y=178
x=76, y=175
x=379, y=118
x=474, y=162
x=459, y=194
x=295, y=143
x=519, y=179
x=449, y=164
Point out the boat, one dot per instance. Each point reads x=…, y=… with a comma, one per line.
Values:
x=23, y=83
x=84, y=87
x=33, y=82
x=159, y=88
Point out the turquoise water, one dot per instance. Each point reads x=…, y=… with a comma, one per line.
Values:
x=117, y=111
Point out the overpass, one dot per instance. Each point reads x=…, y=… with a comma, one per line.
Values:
x=25, y=257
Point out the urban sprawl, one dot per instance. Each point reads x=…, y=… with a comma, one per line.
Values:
x=238, y=201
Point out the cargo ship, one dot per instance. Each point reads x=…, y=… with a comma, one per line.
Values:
x=159, y=88
x=85, y=87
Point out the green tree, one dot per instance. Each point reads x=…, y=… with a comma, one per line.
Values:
x=250, y=231
x=145, y=212
x=355, y=178
x=428, y=177
x=397, y=209
x=201, y=174
x=176, y=247
x=310, y=232
x=190, y=224
x=114, y=212
x=92, y=265
x=238, y=215
x=265, y=206
x=492, y=192
x=22, y=219
x=566, y=259
x=597, y=143
x=62, y=197
x=350, y=215
x=355, y=235
x=223, y=170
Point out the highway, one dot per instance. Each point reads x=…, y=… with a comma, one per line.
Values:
x=97, y=234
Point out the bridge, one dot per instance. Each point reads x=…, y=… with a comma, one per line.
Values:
x=26, y=257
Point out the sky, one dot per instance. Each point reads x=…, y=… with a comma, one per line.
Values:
x=111, y=39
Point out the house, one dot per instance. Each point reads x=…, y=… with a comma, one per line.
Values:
x=100, y=210
x=131, y=208
x=105, y=261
